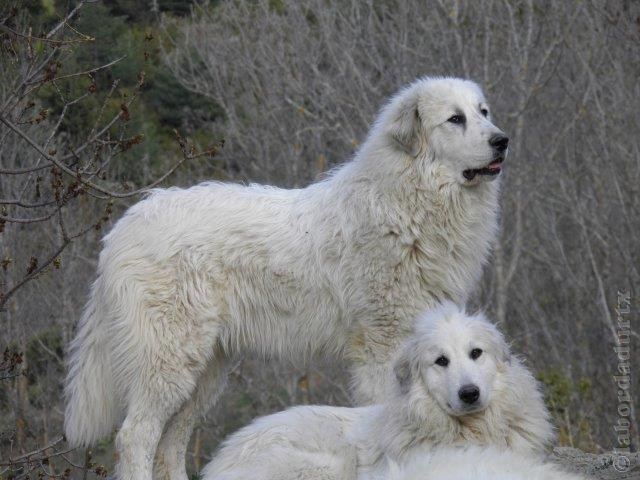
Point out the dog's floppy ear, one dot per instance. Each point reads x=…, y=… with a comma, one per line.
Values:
x=403, y=371
x=493, y=338
x=406, y=128
x=505, y=352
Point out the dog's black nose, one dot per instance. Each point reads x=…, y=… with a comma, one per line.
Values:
x=469, y=394
x=499, y=142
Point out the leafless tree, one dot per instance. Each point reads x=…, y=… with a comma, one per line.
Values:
x=58, y=187
x=300, y=82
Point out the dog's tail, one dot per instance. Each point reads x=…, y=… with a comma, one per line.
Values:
x=91, y=404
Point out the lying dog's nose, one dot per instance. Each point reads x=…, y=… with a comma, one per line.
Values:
x=499, y=142
x=469, y=393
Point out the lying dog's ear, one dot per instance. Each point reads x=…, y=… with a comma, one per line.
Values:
x=503, y=351
x=403, y=373
x=506, y=353
x=406, y=128
x=494, y=339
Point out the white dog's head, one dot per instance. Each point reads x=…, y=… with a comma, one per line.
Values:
x=448, y=121
x=452, y=360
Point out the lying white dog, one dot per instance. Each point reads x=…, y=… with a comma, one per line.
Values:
x=474, y=463
x=456, y=383
x=189, y=279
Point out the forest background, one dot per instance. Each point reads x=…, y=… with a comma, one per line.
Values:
x=100, y=100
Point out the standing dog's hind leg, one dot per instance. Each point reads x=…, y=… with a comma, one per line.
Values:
x=172, y=449
x=138, y=438
x=163, y=384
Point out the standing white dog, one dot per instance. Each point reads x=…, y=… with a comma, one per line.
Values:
x=190, y=278
x=456, y=384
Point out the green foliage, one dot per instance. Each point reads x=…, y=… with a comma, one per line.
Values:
x=585, y=388
x=561, y=391
x=558, y=389
x=44, y=349
x=44, y=366
x=126, y=29
x=244, y=400
x=277, y=6
x=49, y=7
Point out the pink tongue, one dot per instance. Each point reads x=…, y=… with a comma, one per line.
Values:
x=494, y=165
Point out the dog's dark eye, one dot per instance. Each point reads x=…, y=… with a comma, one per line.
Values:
x=457, y=119
x=442, y=361
x=475, y=353
x=484, y=112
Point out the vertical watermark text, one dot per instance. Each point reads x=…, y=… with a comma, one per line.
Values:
x=623, y=351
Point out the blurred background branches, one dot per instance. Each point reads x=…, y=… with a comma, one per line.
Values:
x=99, y=100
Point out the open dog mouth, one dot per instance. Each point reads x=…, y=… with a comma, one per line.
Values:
x=494, y=168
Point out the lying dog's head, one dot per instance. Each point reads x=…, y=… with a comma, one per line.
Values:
x=448, y=121
x=451, y=362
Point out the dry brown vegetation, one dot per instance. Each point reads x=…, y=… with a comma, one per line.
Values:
x=298, y=84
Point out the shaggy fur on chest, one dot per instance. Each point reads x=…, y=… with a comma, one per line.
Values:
x=412, y=422
x=398, y=241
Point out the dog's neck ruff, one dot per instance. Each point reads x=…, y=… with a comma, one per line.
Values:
x=435, y=229
x=415, y=420
x=398, y=431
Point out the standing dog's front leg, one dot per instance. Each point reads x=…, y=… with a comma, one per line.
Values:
x=370, y=351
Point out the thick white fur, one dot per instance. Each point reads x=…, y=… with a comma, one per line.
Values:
x=474, y=463
x=188, y=279
x=345, y=443
x=303, y=443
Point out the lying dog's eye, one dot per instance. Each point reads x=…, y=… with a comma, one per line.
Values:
x=484, y=111
x=475, y=353
x=442, y=361
x=456, y=119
